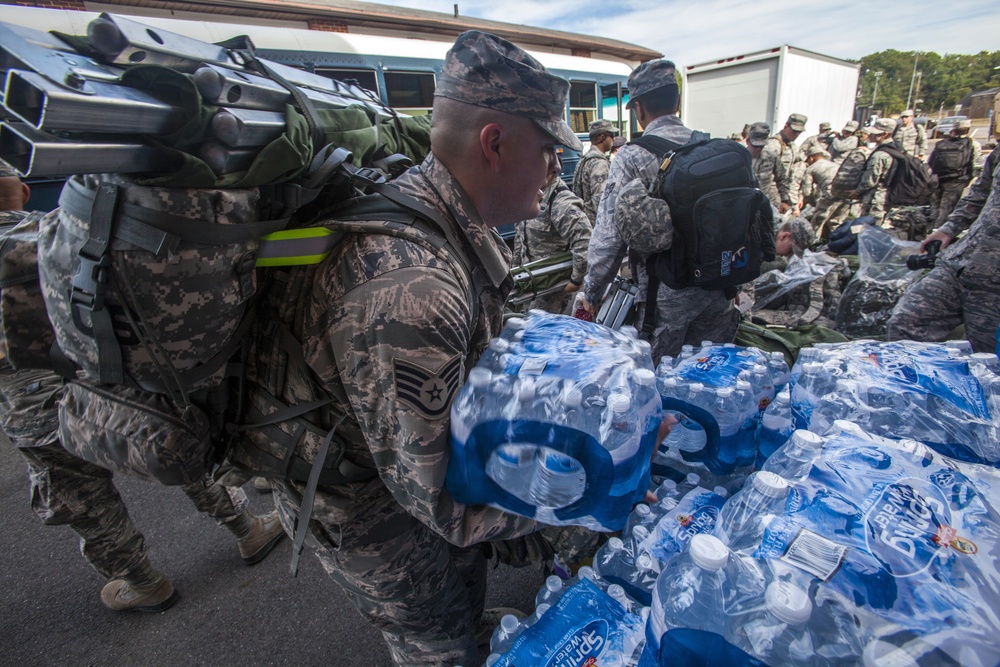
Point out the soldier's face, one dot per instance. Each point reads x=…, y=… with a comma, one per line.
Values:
x=783, y=244
x=907, y=120
x=532, y=163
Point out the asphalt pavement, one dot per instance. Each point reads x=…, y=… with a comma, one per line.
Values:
x=228, y=613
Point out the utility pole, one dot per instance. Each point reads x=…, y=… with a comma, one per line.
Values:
x=877, y=73
x=916, y=57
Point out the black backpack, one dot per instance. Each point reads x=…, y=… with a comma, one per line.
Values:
x=911, y=181
x=723, y=223
x=951, y=159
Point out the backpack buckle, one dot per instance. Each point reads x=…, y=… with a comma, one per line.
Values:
x=90, y=283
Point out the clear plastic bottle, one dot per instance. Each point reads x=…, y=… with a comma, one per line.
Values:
x=693, y=436
x=689, y=593
x=775, y=427
x=641, y=515
x=741, y=521
x=667, y=489
x=550, y=591
x=730, y=415
x=660, y=510
x=559, y=480
x=794, y=459
x=513, y=467
x=608, y=561
x=472, y=406
x=779, y=371
x=806, y=392
x=505, y=634
x=620, y=430
x=778, y=632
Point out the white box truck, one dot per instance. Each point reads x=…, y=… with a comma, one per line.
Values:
x=719, y=97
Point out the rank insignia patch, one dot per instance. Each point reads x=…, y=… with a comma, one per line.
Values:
x=428, y=392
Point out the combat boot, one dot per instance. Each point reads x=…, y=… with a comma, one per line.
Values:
x=141, y=589
x=261, y=534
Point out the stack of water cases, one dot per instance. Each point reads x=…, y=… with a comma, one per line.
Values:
x=557, y=421
x=943, y=395
x=718, y=394
x=847, y=549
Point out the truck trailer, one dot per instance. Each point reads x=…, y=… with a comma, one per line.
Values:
x=721, y=96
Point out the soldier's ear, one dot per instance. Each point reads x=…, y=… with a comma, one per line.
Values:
x=25, y=193
x=491, y=138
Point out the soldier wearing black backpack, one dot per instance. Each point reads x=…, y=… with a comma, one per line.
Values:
x=952, y=161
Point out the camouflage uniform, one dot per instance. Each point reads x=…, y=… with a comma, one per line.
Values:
x=874, y=186
x=840, y=147
x=561, y=226
x=380, y=311
x=816, y=186
x=683, y=316
x=822, y=140
x=964, y=286
x=773, y=168
x=840, y=209
x=948, y=192
x=911, y=139
x=589, y=179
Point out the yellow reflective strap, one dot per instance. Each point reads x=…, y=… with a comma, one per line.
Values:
x=300, y=260
x=301, y=233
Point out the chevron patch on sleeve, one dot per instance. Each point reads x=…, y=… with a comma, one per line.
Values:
x=427, y=392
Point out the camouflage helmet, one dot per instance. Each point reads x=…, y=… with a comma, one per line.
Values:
x=490, y=72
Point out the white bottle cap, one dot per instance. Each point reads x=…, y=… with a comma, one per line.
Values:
x=812, y=367
x=640, y=533
x=988, y=358
x=729, y=345
x=617, y=592
x=807, y=439
x=515, y=323
x=499, y=345
x=696, y=387
x=770, y=484
x=541, y=609
x=693, y=478
x=788, y=602
x=480, y=377
x=720, y=491
x=724, y=392
x=537, y=312
x=708, y=552
x=509, y=623
x=644, y=561
x=783, y=397
x=619, y=403
x=587, y=572
x=553, y=583
x=760, y=369
x=616, y=544
x=645, y=349
x=778, y=356
x=687, y=348
x=707, y=343
x=670, y=382
x=572, y=397
x=667, y=504
x=642, y=509
x=743, y=385
x=644, y=377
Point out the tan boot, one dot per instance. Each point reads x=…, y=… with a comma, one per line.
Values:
x=265, y=533
x=142, y=589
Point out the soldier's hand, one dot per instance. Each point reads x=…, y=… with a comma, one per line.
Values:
x=587, y=306
x=571, y=287
x=666, y=424
x=784, y=207
x=937, y=235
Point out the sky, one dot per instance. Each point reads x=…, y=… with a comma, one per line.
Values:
x=695, y=31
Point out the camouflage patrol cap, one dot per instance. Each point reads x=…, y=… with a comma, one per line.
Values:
x=817, y=150
x=906, y=112
x=490, y=72
x=883, y=126
x=759, y=132
x=850, y=126
x=824, y=126
x=619, y=142
x=797, y=122
x=803, y=235
x=605, y=126
x=6, y=170
x=649, y=76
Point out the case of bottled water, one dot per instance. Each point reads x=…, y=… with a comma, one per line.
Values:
x=717, y=393
x=584, y=628
x=940, y=394
x=695, y=513
x=557, y=422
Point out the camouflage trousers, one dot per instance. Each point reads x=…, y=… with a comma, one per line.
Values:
x=833, y=216
x=424, y=595
x=945, y=198
x=689, y=316
x=66, y=490
x=557, y=303
x=873, y=203
x=943, y=299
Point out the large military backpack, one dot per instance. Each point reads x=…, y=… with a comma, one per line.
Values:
x=910, y=180
x=951, y=159
x=723, y=223
x=848, y=176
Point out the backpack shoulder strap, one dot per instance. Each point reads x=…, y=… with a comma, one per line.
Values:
x=658, y=146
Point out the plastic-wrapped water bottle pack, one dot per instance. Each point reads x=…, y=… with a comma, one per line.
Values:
x=557, y=422
x=872, y=551
x=940, y=394
x=717, y=393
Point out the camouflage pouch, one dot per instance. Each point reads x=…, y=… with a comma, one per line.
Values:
x=135, y=432
x=150, y=287
x=27, y=333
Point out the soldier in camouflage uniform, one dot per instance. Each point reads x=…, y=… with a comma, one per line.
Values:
x=66, y=490
x=951, y=186
x=757, y=134
x=964, y=285
x=841, y=145
x=592, y=170
x=843, y=208
x=779, y=161
x=874, y=184
x=642, y=224
x=821, y=140
x=562, y=226
x=910, y=137
x=383, y=310
x=816, y=182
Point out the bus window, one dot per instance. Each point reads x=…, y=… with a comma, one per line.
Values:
x=582, y=105
x=365, y=78
x=410, y=92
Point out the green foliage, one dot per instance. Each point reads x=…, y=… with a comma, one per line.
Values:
x=943, y=80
